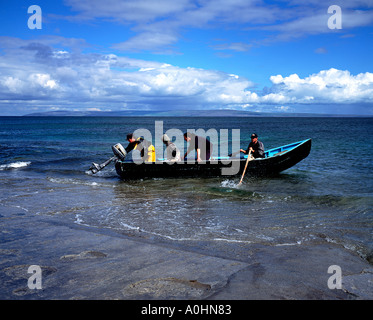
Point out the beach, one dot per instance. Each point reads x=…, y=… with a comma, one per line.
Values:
x=87, y=263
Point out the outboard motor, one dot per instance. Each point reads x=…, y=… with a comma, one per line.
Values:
x=119, y=154
x=119, y=151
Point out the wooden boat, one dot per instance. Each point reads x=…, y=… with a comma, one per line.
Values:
x=275, y=161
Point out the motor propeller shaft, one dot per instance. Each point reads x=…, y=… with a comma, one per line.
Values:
x=97, y=167
x=119, y=154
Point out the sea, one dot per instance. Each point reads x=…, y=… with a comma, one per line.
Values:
x=327, y=197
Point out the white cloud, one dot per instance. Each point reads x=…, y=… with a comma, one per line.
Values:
x=236, y=46
x=152, y=41
x=327, y=86
x=111, y=81
x=283, y=108
x=127, y=11
x=321, y=50
x=43, y=80
x=158, y=25
x=12, y=84
x=83, y=78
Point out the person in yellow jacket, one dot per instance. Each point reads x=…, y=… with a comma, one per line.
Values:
x=147, y=150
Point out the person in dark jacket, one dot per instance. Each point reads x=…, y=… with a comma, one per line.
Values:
x=255, y=146
x=147, y=150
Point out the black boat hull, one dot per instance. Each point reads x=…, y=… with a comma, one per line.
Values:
x=259, y=167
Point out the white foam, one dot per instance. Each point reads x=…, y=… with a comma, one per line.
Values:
x=229, y=184
x=15, y=165
x=76, y=182
x=297, y=243
x=232, y=240
x=78, y=219
x=22, y=208
x=130, y=227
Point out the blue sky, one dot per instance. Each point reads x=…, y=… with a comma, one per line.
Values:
x=268, y=56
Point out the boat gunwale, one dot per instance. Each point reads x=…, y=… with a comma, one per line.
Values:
x=287, y=148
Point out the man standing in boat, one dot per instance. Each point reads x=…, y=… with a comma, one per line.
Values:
x=255, y=146
x=203, y=146
x=147, y=150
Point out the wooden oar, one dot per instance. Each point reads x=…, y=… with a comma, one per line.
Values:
x=243, y=173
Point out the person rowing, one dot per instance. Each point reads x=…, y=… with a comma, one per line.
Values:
x=255, y=146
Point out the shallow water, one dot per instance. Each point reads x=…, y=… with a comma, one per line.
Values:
x=326, y=197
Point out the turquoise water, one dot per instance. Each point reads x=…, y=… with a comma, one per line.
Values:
x=326, y=197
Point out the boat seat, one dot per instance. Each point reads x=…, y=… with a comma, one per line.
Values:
x=278, y=153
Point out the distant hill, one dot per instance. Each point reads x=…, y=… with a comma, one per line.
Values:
x=136, y=113
x=175, y=113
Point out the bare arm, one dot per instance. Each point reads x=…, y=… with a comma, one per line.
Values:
x=198, y=155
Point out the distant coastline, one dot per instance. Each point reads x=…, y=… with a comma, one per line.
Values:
x=180, y=113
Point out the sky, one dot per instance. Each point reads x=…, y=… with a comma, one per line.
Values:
x=264, y=56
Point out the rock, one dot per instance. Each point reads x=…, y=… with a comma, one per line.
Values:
x=84, y=255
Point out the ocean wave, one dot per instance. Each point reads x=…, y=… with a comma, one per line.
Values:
x=229, y=184
x=78, y=182
x=14, y=165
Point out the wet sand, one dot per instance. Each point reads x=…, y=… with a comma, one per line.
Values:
x=82, y=263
